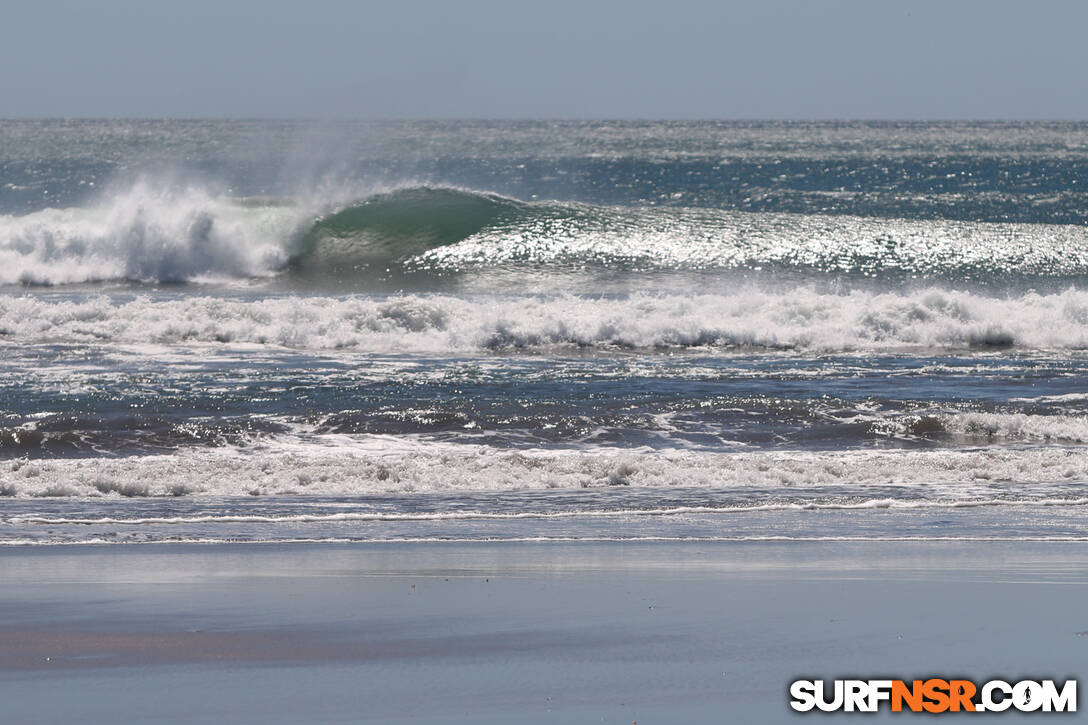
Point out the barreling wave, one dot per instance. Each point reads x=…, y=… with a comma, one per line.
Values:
x=153, y=234
x=399, y=225
x=793, y=319
x=157, y=234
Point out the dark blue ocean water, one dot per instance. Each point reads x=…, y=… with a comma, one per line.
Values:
x=435, y=330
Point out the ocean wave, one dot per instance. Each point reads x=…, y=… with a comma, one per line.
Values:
x=365, y=466
x=798, y=319
x=153, y=232
x=991, y=427
x=148, y=233
x=401, y=224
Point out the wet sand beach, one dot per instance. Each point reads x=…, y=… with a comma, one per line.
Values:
x=492, y=632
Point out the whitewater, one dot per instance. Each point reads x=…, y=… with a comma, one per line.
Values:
x=596, y=331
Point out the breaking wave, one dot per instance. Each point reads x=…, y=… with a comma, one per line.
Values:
x=152, y=233
x=376, y=465
x=992, y=427
x=147, y=234
x=399, y=225
x=792, y=319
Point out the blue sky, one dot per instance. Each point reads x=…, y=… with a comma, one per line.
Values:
x=556, y=59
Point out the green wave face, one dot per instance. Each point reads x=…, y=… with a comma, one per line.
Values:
x=388, y=228
x=425, y=235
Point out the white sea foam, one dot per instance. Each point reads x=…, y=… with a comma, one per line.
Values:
x=998, y=427
x=148, y=232
x=374, y=465
x=1020, y=426
x=802, y=319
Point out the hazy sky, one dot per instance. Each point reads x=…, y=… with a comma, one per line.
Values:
x=548, y=58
